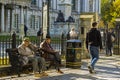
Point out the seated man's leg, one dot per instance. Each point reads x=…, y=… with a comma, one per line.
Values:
x=41, y=64
x=57, y=57
x=35, y=64
x=35, y=61
x=57, y=60
x=52, y=60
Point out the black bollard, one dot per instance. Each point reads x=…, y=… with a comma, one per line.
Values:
x=62, y=43
x=13, y=40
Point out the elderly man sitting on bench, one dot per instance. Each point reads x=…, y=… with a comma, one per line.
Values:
x=28, y=54
x=54, y=55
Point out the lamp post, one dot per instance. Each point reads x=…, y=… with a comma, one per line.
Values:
x=48, y=33
x=42, y=22
x=45, y=19
x=118, y=32
x=106, y=37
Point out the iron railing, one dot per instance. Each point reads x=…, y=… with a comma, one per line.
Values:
x=5, y=43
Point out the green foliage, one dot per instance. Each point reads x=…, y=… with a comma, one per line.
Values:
x=110, y=10
x=4, y=36
x=32, y=37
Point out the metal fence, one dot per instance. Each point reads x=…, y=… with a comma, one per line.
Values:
x=58, y=43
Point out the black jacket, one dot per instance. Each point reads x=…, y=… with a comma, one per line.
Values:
x=109, y=42
x=94, y=38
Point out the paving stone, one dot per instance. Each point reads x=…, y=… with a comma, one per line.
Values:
x=107, y=68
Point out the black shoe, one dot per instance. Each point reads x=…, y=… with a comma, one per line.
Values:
x=59, y=71
x=90, y=69
x=47, y=67
x=110, y=54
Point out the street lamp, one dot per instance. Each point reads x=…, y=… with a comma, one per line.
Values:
x=45, y=19
x=48, y=33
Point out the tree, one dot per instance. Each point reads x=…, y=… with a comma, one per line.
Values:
x=115, y=9
x=110, y=9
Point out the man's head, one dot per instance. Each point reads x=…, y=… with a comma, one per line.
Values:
x=26, y=41
x=48, y=39
x=94, y=24
x=72, y=29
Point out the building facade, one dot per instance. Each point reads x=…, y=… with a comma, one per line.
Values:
x=16, y=13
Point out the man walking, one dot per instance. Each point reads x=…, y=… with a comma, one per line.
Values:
x=109, y=42
x=93, y=43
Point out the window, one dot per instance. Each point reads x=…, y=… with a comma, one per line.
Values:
x=50, y=4
x=52, y=20
x=32, y=22
x=25, y=19
x=73, y=5
x=81, y=6
x=33, y=2
x=90, y=5
x=16, y=22
x=38, y=23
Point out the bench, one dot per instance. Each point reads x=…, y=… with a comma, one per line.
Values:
x=16, y=64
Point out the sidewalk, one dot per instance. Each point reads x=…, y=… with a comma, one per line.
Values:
x=108, y=68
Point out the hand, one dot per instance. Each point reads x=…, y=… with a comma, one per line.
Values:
x=35, y=45
x=101, y=50
x=56, y=51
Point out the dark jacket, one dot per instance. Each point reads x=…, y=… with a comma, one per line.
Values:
x=47, y=48
x=109, y=42
x=93, y=38
x=39, y=33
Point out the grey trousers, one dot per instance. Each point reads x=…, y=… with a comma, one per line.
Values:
x=38, y=63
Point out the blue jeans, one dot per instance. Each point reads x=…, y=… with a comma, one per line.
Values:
x=94, y=53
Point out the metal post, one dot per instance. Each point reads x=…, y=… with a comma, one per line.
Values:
x=42, y=22
x=106, y=38
x=118, y=38
x=62, y=42
x=11, y=10
x=48, y=33
x=68, y=26
x=13, y=40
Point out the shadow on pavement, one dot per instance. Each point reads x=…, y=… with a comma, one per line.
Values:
x=70, y=76
x=109, y=70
